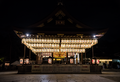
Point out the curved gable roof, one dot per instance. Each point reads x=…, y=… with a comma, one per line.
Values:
x=60, y=21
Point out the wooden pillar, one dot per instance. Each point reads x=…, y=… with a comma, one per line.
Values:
x=36, y=59
x=52, y=58
x=62, y=61
x=24, y=51
x=81, y=58
x=29, y=54
x=41, y=59
x=55, y=60
x=85, y=56
x=92, y=52
x=78, y=58
x=92, y=55
x=67, y=58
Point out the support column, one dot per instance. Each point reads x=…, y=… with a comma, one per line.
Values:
x=52, y=58
x=92, y=55
x=81, y=58
x=36, y=59
x=41, y=59
x=92, y=52
x=62, y=61
x=24, y=51
x=67, y=58
x=29, y=54
x=78, y=58
x=85, y=56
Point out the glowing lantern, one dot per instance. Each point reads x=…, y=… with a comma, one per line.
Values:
x=27, y=61
x=71, y=61
x=50, y=61
x=7, y=64
x=21, y=61
x=80, y=41
x=75, y=40
x=90, y=41
x=93, y=61
x=97, y=61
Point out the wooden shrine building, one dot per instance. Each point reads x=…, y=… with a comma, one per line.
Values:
x=59, y=36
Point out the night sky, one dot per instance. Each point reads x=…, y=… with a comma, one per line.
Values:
x=97, y=14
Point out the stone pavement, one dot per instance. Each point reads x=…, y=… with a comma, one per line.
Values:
x=14, y=77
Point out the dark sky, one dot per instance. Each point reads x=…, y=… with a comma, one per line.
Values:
x=96, y=14
x=22, y=13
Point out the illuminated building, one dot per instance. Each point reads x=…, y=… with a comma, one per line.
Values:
x=59, y=36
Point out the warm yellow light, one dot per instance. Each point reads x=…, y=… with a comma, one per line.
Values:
x=105, y=59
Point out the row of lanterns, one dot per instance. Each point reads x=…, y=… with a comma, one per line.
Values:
x=76, y=45
x=46, y=54
x=79, y=41
x=71, y=54
x=45, y=50
x=43, y=45
x=41, y=40
x=62, y=45
x=57, y=50
x=73, y=50
x=58, y=41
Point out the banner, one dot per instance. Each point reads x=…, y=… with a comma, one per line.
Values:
x=59, y=54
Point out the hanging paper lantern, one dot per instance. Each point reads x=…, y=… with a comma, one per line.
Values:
x=50, y=61
x=93, y=61
x=75, y=41
x=71, y=61
x=38, y=40
x=97, y=61
x=21, y=61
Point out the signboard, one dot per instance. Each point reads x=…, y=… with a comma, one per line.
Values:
x=85, y=68
x=60, y=69
x=36, y=69
x=21, y=61
x=71, y=61
x=50, y=61
x=59, y=54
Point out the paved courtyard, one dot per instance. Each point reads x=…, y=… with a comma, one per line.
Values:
x=14, y=77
